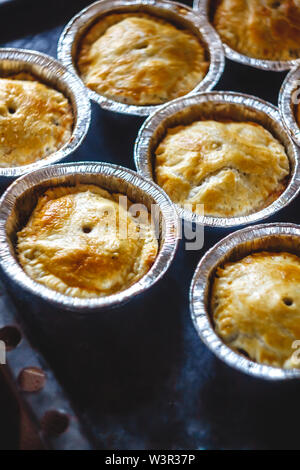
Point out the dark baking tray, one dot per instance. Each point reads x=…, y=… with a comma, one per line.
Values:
x=138, y=377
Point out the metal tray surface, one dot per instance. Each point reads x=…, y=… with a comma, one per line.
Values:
x=142, y=379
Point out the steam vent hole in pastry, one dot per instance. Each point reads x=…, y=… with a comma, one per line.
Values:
x=255, y=306
x=230, y=168
x=75, y=243
x=262, y=29
x=35, y=120
x=140, y=59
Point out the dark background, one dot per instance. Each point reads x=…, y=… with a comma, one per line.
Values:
x=139, y=377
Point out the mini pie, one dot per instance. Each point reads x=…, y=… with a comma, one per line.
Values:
x=230, y=168
x=263, y=29
x=35, y=120
x=255, y=304
x=81, y=242
x=140, y=59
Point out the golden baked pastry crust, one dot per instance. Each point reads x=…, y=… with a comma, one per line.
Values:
x=75, y=243
x=263, y=29
x=298, y=114
x=255, y=305
x=140, y=59
x=35, y=120
x=232, y=168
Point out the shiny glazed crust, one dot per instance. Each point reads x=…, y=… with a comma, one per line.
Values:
x=141, y=59
x=263, y=29
x=35, y=120
x=77, y=244
x=255, y=304
x=232, y=168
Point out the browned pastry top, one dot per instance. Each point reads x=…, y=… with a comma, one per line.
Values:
x=141, y=59
x=255, y=305
x=35, y=120
x=263, y=29
x=81, y=242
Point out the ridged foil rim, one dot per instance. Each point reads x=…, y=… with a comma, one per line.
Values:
x=200, y=291
x=51, y=71
x=153, y=122
x=286, y=106
x=201, y=6
x=78, y=25
x=71, y=171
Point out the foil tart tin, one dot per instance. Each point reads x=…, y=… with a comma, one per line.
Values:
x=52, y=73
x=205, y=9
x=265, y=237
x=18, y=202
x=289, y=97
x=218, y=105
x=171, y=11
